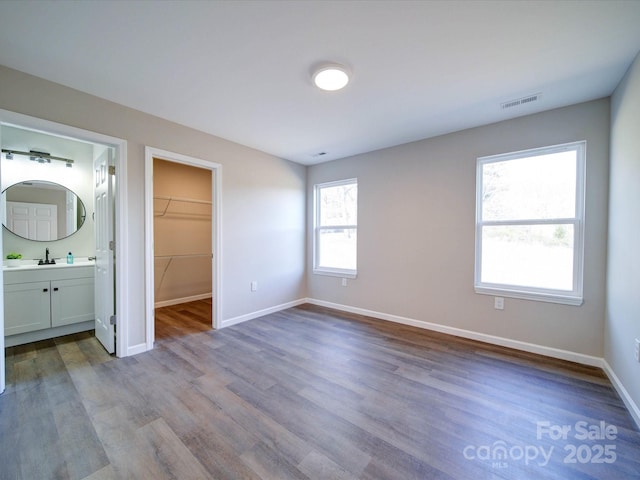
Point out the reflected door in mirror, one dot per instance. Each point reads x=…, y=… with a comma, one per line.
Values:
x=41, y=210
x=35, y=221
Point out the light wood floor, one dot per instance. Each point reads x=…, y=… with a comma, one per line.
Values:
x=304, y=393
x=182, y=319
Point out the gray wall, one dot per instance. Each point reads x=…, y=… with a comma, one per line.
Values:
x=416, y=219
x=623, y=276
x=263, y=197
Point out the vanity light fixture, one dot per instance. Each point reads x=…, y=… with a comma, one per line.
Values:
x=331, y=77
x=40, y=157
x=36, y=156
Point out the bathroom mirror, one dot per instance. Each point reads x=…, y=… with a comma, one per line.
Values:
x=41, y=211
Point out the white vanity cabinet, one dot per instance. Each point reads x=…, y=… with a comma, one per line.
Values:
x=72, y=300
x=47, y=302
x=27, y=307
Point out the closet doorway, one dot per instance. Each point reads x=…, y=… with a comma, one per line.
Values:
x=182, y=222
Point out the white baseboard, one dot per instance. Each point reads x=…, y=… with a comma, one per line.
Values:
x=624, y=394
x=250, y=316
x=459, y=332
x=177, y=301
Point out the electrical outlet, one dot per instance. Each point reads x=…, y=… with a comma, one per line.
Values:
x=254, y=286
x=344, y=282
x=637, y=349
x=498, y=303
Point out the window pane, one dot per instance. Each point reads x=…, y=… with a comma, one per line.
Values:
x=539, y=256
x=337, y=248
x=339, y=205
x=538, y=187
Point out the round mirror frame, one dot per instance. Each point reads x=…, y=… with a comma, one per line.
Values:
x=81, y=209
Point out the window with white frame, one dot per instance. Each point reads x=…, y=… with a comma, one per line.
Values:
x=336, y=228
x=530, y=224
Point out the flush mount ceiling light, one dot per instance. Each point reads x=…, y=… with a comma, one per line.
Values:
x=331, y=77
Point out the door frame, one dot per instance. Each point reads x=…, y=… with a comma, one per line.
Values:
x=121, y=219
x=216, y=235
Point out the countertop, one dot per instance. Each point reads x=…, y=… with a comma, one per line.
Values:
x=60, y=263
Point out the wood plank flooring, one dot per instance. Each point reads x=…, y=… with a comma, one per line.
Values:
x=307, y=393
x=183, y=319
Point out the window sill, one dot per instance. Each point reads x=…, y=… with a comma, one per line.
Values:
x=335, y=273
x=534, y=296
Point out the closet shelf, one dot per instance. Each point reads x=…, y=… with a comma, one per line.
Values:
x=172, y=257
x=185, y=255
x=170, y=199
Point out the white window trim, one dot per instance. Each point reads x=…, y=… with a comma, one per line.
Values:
x=574, y=297
x=333, y=272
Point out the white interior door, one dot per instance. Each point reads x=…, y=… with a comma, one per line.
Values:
x=104, y=286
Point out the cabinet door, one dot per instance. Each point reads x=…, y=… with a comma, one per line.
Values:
x=72, y=301
x=26, y=307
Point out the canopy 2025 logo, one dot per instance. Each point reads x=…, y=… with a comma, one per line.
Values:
x=581, y=442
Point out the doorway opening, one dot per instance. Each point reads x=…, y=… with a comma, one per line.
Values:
x=182, y=248
x=182, y=213
x=76, y=231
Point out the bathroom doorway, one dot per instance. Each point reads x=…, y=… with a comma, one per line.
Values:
x=182, y=254
x=37, y=134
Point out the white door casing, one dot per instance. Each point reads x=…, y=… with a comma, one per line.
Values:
x=104, y=294
x=122, y=263
x=216, y=234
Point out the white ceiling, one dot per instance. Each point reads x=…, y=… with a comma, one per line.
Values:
x=241, y=70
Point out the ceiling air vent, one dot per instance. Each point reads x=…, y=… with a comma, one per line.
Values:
x=521, y=101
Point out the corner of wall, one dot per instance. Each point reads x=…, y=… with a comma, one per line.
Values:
x=623, y=256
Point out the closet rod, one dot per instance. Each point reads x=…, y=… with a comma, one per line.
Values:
x=178, y=199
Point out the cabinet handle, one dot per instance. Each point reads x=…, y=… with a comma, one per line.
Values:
x=45, y=289
x=55, y=289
